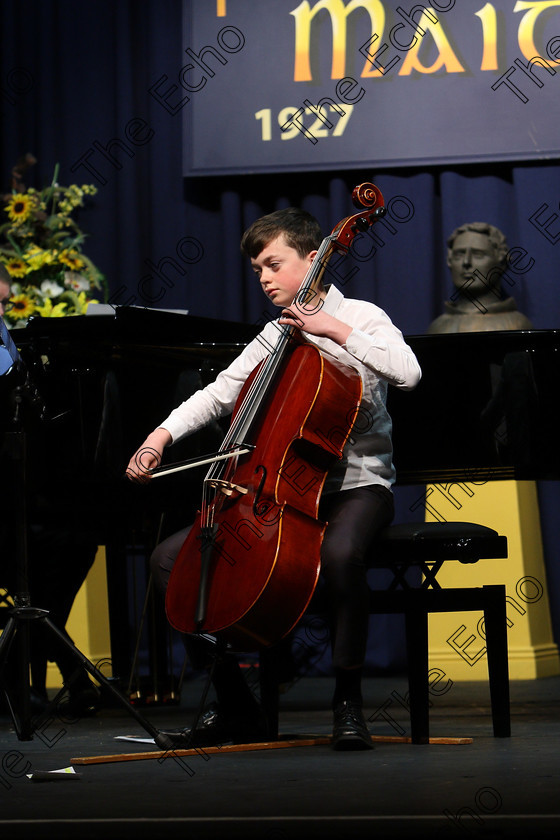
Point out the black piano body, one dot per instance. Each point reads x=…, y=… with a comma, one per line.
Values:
x=485, y=409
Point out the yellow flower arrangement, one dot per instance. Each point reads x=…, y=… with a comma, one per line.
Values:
x=41, y=248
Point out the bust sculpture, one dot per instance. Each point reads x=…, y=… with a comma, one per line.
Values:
x=477, y=257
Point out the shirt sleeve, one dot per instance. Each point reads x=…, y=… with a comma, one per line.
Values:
x=380, y=346
x=218, y=399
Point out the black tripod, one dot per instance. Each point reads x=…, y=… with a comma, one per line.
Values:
x=24, y=396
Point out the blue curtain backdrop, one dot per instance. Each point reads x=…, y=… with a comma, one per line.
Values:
x=74, y=90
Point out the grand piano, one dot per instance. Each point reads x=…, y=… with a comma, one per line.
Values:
x=484, y=410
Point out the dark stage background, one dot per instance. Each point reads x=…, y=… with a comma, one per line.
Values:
x=75, y=83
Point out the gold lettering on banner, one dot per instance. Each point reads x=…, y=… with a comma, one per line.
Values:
x=489, y=20
x=526, y=34
x=339, y=13
x=446, y=57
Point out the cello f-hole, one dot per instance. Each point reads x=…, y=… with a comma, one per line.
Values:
x=262, y=508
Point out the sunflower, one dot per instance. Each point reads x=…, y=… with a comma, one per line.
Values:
x=71, y=259
x=22, y=306
x=19, y=207
x=16, y=267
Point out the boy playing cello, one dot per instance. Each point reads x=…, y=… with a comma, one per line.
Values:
x=356, y=500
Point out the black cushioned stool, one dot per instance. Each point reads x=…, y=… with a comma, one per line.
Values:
x=428, y=545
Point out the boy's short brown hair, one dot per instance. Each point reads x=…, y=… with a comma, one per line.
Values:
x=301, y=231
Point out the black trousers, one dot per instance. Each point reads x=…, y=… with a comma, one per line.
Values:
x=354, y=519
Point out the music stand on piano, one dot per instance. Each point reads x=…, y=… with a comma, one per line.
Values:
x=24, y=396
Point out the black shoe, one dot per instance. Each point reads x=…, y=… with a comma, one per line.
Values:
x=216, y=729
x=85, y=702
x=83, y=698
x=350, y=730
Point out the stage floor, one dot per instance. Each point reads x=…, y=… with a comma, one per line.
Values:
x=490, y=788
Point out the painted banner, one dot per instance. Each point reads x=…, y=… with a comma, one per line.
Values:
x=287, y=85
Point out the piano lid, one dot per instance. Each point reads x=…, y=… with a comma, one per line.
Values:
x=484, y=410
x=138, y=331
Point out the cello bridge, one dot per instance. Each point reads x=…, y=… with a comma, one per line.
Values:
x=226, y=487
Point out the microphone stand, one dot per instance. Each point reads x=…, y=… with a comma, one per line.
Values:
x=17, y=627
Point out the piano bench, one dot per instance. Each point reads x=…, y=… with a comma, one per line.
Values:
x=428, y=545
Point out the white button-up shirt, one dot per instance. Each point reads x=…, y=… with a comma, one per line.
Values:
x=375, y=347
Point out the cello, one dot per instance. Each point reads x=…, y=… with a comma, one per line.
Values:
x=250, y=563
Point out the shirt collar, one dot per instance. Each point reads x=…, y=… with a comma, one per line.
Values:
x=333, y=299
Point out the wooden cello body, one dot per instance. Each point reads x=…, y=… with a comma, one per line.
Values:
x=265, y=550
x=251, y=561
